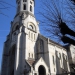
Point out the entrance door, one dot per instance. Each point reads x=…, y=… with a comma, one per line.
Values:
x=42, y=70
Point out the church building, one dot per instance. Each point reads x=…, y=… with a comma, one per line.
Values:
x=27, y=52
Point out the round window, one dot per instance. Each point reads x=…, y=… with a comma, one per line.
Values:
x=30, y=27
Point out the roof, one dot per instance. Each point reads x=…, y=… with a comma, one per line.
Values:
x=51, y=41
x=30, y=61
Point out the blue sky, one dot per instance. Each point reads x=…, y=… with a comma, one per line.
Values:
x=6, y=20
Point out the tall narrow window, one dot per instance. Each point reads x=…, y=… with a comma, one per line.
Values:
x=53, y=59
x=24, y=7
x=24, y=0
x=32, y=55
x=17, y=27
x=34, y=36
x=29, y=54
x=30, y=8
x=31, y=35
x=54, y=69
x=59, y=55
x=41, y=45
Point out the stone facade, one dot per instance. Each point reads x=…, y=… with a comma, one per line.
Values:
x=27, y=52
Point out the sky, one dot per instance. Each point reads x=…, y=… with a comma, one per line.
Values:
x=5, y=23
x=6, y=19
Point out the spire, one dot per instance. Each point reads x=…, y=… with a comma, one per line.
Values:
x=25, y=6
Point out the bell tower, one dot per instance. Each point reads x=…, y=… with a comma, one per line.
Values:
x=20, y=45
x=25, y=5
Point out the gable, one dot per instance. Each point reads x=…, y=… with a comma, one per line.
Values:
x=40, y=62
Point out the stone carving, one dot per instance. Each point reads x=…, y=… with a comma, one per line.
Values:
x=23, y=16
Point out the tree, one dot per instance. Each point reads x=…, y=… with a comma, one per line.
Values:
x=55, y=22
x=64, y=29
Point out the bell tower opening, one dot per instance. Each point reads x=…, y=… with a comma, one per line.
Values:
x=25, y=6
x=41, y=70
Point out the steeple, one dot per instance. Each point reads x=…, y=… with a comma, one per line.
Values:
x=25, y=6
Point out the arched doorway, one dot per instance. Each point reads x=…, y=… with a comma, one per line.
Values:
x=41, y=70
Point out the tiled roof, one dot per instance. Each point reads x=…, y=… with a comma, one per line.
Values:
x=30, y=61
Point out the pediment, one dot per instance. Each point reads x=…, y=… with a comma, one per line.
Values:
x=39, y=63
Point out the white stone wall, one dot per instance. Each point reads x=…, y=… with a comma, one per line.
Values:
x=71, y=54
x=57, y=52
x=27, y=5
x=41, y=62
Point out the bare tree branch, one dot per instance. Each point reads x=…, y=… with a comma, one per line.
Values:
x=54, y=20
x=5, y=6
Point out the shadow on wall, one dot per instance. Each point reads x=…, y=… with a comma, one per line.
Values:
x=12, y=59
x=21, y=54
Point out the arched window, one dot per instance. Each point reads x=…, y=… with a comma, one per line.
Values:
x=30, y=8
x=41, y=45
x=17, y=27
x=30, y=27
x=24, y=6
